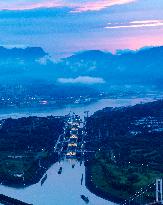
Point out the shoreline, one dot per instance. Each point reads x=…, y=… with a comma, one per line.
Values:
x=88, y=184
x=77, y=108
x=38, y=174
x=98, y=192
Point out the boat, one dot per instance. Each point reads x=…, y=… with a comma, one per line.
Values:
x=82, y=179
x=60, y=170
x=43, y=179
x=85, y=199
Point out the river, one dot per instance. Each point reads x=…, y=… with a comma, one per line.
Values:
x=64, y=189
x=78, y=109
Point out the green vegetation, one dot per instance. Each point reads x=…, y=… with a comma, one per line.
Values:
x=26, y=148
x=121, y=181
x=128, y=144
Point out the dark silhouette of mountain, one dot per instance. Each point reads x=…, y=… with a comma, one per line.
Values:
x=144, y=66
x=26, y=53
x=32, y=68
x=18, y=64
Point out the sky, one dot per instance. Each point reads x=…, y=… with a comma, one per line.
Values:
x=63, y=27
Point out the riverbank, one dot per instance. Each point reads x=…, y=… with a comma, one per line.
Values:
x=67, y=184
x=31, y=176
x=76, y=108
x=128, y=147
x=93, y=188
x=119, y=184
x=27, y=149
x=51, y=193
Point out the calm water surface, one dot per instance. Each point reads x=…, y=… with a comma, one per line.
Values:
x=78, y=109
x=64, y=189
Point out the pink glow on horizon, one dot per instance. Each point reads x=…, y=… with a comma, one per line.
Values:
x=112, y=45
x=119, y=43
x=134, y=43
x=139, y=42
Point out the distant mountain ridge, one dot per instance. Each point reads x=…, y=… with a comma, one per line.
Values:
x=29, y=52
x=144, y=66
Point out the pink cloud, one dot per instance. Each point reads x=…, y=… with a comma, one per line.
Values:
x=75, y=6
x=22, y=5
x=99, y=4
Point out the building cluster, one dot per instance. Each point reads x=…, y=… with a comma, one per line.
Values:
x=147, y=124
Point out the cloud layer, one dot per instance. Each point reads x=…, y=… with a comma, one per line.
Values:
x=81, y=80
x=61, y=32
x=75, y=6
x=136, y=24
x=99, y=4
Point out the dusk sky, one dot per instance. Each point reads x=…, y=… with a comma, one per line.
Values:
x=63, y=27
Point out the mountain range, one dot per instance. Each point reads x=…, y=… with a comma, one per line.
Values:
x=93, y=67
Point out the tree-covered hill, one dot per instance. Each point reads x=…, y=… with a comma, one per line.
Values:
x=26, y=148
x=128, y=145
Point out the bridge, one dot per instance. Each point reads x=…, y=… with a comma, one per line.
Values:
x=152, y=194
